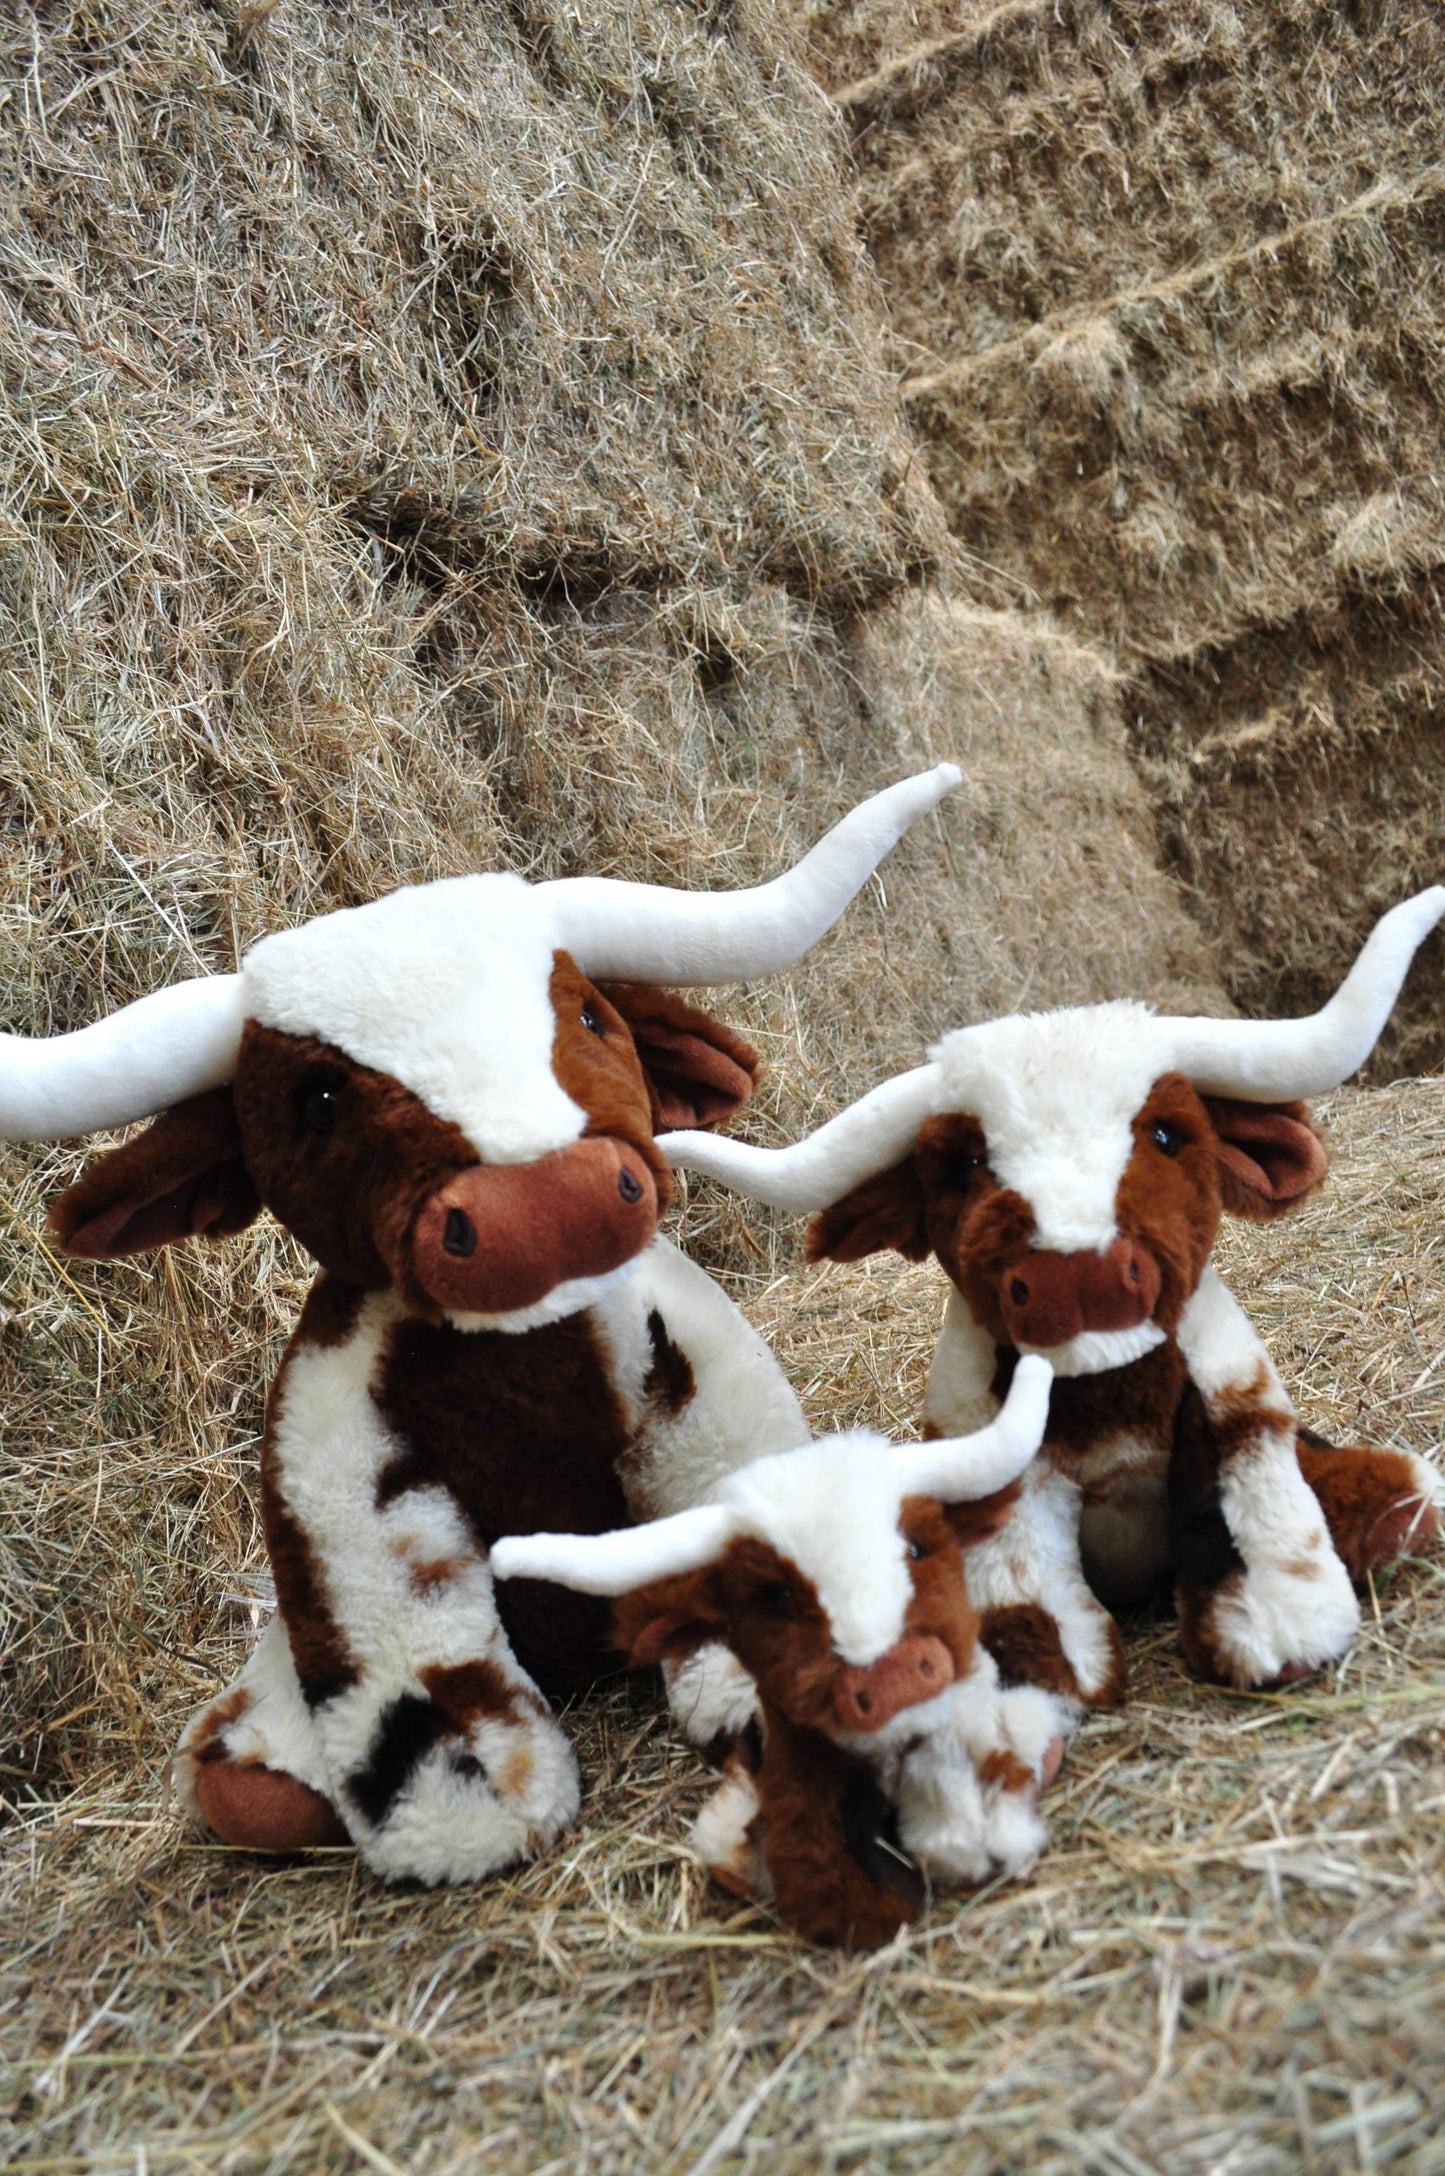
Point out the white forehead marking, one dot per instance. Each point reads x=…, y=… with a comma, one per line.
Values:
x=832, y=1509
x=1056, y=1094
x=446, y=987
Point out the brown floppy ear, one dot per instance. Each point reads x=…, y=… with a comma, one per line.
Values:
x=668, y=1616
x=697, y=1071
x=886, y=1211
x=183, y=1175
x=973, y=1522
x=1270, y=1156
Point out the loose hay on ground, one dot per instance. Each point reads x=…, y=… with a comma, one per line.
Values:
x=1233, y=1956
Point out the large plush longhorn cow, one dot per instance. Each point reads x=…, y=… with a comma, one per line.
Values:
x=449, y=1096
x=834, y=1573
x=1069, y=1171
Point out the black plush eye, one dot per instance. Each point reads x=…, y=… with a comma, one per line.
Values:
x=1168, y=1139
x=963, y=1167
x=319, y=1106
x=918, y=1550
x=591, y=1022
x=777, y=1599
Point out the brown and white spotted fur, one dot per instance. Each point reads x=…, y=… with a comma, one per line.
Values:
x=887, y=1749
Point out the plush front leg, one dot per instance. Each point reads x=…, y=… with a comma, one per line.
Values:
x=249, y=1765
x=1263, y=1595
x=437, y=1749
x=966, y=1790
x=727, y=1835
x=1379, y=1504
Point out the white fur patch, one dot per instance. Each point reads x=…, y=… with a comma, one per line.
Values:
x=568, y=1298
x=832, y=1509
x=710, y=1693
x=275, y=1727
x=446, y=987
x=1094, y=1352
x=1056, y=1095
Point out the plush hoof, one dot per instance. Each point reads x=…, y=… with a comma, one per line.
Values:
x=1052, y=1762
x=1404, y=1528
x=263, y=1809
x=735, y=1884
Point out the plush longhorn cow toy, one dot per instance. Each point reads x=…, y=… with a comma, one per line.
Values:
x=1069, y=1171
x=449, y=1097
x=834, y=1573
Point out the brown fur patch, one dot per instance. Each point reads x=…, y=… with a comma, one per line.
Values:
x=426, y=1574
x=205, y=1742
x=516, y=1772
x=1005, y=1769
x=351, y=1194
x=476, y=1692
x=329, y=1315
x=1241, y=1414
x=669, y=1381
x=182, y=1176
x=1139, y=1400
x=602, y=1072
x=1024, y=1641
x=526, y=1433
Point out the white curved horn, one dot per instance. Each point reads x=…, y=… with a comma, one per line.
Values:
x=140, y=1060
x=649, y=933
x=871, y=1136
x=615, y=1563
x=957, y=1469
x=1279, y=1060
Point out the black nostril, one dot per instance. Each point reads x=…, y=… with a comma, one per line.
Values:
x=460, y=1234
x=863, y=1701
x=629, y=1186
x=1018, y=1292
x=925, y=1669
x=1131, y=1270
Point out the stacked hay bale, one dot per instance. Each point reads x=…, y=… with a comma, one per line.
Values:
x=439, y=438
x=1168, y=286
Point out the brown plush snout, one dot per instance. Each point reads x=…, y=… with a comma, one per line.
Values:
x=498, y=1237
x=917, y=1668
x=1048, y=1298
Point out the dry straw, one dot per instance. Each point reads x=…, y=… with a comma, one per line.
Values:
x=1167, y=290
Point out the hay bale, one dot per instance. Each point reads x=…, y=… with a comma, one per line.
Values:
x=1168, y=285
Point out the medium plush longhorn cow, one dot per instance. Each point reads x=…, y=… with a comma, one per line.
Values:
x=1069, y=1171
x=834, y=1573
x=449, y=1097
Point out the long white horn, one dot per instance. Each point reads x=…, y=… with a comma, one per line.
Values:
x=871, y=1136
x=957, y=1469
x=142, y=1059
x=648, y=933
x=1278, y=1060
x=615, y=1563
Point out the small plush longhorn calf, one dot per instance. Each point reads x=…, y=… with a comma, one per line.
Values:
x=449, y=1097
x=834, y=1573
x=1069, y=1170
